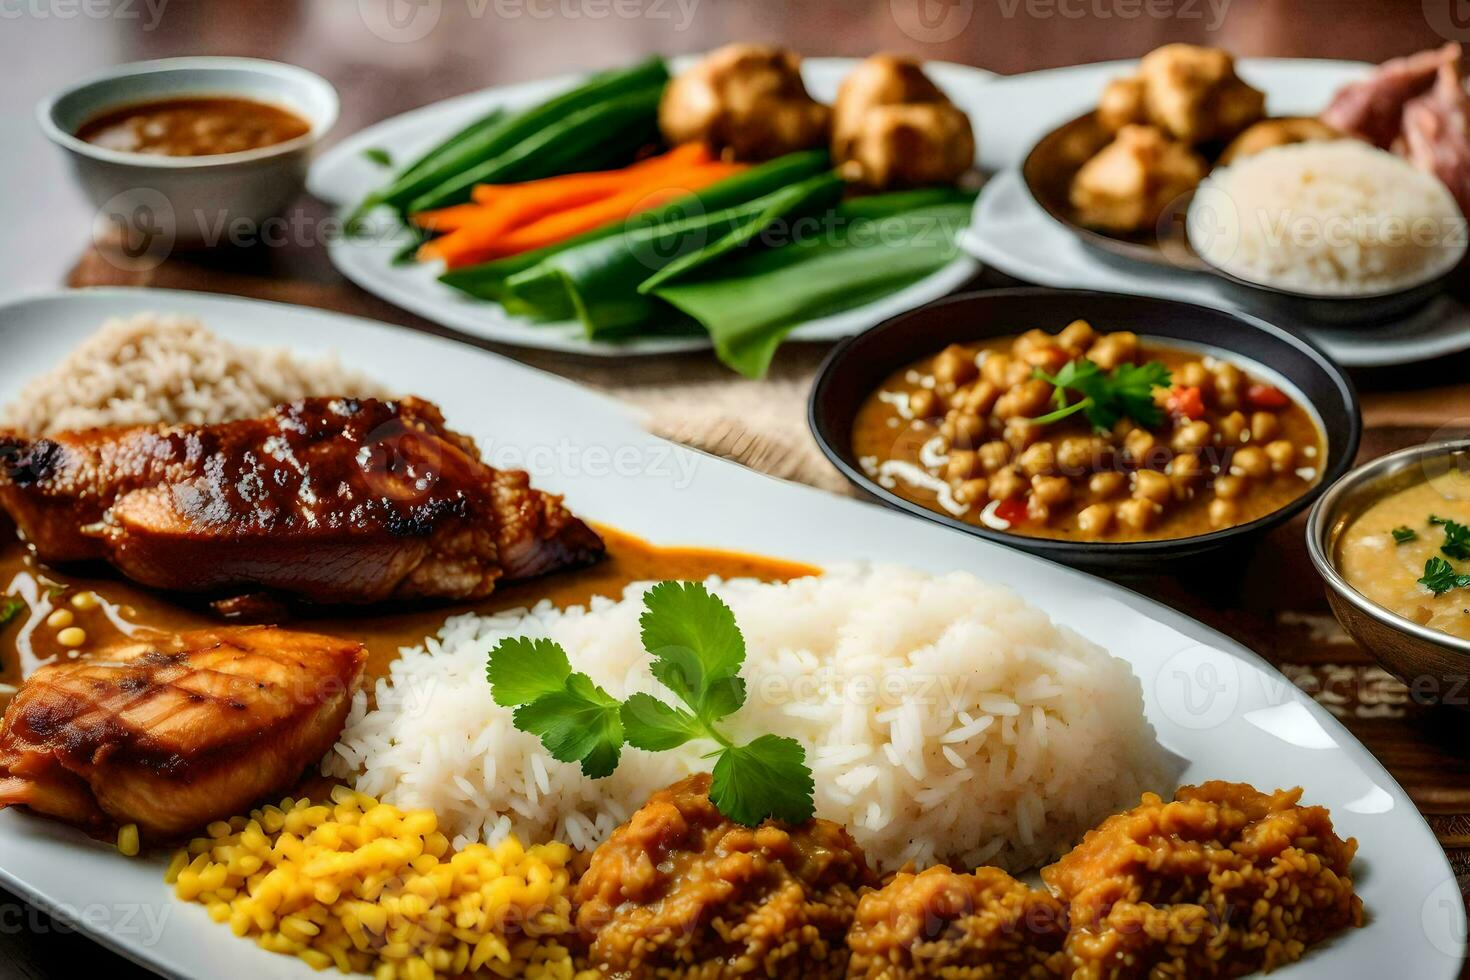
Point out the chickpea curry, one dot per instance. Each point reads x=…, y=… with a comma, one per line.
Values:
x=1087, y=436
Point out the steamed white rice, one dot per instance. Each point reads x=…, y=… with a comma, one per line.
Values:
x=152, y=368
x=1333, y=218
x=944, y=719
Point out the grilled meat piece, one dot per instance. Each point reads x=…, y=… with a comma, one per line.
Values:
x=176, y=730
x=336, y=500
x=1436, y=136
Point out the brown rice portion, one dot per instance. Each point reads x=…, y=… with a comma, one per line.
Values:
x=152, y=368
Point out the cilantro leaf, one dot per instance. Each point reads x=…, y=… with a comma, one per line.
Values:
x=653, y=726
x=1125, y=392
x=10, y=607
x=1456, y=538
x=1440, y=577
x=580, y=723
x=379, y=156
x=697, y=649
x=521, y=670
x=767, y=778
x=1403, y=534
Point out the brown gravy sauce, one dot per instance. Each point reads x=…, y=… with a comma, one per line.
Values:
x=383, y=631
x=192, y=127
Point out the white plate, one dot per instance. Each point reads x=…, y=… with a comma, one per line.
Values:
x=343, y=176
x=1012, y=233
x=1218, y=706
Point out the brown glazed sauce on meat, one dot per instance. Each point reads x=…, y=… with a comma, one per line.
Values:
x=383, y=630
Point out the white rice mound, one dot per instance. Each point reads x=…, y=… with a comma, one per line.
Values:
x=152, y=368
x=1331, y=218
x=944, y=719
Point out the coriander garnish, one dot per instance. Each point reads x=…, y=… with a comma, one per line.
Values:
x=10, y=607
x=1456, y=538
x=1403, y=534
x=1440, y=577
x=1127, y=391
x=697, y=652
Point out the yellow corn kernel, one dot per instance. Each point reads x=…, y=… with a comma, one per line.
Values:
x=84, y=601
x=60, y=618
x=72, y=637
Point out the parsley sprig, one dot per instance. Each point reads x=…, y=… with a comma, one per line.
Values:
x=1403, y=534
x=697, y=651
x=1456, y=538
x=1125, y=391
x=1440, y=577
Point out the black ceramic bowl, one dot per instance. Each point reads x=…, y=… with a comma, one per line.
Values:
x=857, y=366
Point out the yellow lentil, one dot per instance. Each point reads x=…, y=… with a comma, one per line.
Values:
x=60, y=618
x=84, y=601
x=72, y=636
x=367, y=888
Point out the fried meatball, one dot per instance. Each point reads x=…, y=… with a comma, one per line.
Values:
x=679, y=891
x=746, y=101
x=941, y=923
x=1223, y=881
x=1130, y=183
x=1122, y=104
x=893, y=127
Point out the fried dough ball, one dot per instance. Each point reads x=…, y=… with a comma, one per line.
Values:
x=680, y=892
x=893, y=127
x=1223, y=881
x=1127, y=186
x=746, y=101
x=941, y=923
x=1194, y=95
x=1269, y=133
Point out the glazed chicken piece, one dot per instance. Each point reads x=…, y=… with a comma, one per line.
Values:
x=335, y=500
x=176, y=730
x=1194, y=95
x=1128, y=186
x=1373, y=109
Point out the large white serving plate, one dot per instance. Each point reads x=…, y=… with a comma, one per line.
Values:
x=1219, y=707
x=1012, y=233
x=343, y=176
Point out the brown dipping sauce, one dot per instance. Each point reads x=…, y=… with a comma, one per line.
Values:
x=951, y=432
x=192, y=127
x=382, y=630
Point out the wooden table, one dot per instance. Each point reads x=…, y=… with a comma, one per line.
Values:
x=1273, y=604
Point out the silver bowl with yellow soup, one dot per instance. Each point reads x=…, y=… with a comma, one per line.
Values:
x=1392, y=541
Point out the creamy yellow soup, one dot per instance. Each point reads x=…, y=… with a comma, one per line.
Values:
x=1388, y=570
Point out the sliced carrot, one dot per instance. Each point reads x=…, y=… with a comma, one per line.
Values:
x=574, y=221
x=680, y=157
x=447, y=219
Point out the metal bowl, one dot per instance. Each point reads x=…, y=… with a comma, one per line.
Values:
x=1434, y=665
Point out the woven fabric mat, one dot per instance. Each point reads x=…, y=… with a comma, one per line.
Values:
x=1272, y=601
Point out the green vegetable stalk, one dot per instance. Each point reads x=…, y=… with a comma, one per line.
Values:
x=697, y=652
x=498, y=134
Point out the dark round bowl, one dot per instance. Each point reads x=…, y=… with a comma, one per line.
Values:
x=858, y=365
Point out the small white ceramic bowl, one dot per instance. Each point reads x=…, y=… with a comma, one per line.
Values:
x=189, y=202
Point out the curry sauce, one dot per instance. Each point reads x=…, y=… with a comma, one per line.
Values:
x=384, y=631
x=971, y=433
x=193, y=127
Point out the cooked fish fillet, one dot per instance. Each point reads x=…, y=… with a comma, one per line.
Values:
x=336, y=500
x=177, y=730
